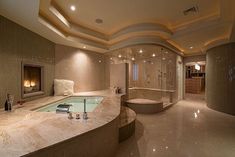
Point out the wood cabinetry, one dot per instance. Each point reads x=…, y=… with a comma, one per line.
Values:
x=194, y=85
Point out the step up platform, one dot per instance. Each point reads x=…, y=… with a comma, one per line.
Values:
x=145, y=106
x=127, y=123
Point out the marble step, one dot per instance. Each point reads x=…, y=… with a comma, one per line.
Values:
x=127, y=123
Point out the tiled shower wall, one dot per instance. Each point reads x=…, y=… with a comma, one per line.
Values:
x=158, y=71
x=18, y=44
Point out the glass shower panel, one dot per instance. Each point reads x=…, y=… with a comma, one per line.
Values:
x=152, y=71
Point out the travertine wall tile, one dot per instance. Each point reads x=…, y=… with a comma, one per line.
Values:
x=220, y=78
x=18, y=44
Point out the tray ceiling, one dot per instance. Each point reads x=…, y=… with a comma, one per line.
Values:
x=126, y=23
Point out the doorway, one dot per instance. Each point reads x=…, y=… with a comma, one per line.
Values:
x=195, y=79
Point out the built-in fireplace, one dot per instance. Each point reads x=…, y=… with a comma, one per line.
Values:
x=32, y=80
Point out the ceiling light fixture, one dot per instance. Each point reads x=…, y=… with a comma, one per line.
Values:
x=119, y=56
x=153, y=55
x=140, y=51
x=84, y=47
x=197, y=67
x=72, y=7
x=191, y=47
x=133, y=58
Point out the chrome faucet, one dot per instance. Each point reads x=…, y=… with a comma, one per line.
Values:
x=85, y=113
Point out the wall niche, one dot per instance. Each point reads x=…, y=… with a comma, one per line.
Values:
x=32, y=79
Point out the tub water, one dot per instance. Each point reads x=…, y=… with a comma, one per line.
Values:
x=77, y=104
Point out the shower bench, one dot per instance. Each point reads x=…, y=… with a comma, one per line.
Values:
x=145, y=106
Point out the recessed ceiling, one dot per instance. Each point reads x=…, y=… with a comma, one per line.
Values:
x=124, y=23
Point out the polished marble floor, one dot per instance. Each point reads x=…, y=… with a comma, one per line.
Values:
x=188, y=129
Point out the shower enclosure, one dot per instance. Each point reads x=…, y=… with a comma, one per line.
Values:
x=152, y=71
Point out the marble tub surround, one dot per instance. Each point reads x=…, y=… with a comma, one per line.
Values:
x=30, y=133
x=127, y=123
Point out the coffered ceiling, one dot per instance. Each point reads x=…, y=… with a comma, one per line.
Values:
x=104, y=25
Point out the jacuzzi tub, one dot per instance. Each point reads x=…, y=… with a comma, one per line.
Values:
x=48, y=134
x=76, y=102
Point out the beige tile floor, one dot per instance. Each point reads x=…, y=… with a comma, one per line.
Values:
x=188, y=129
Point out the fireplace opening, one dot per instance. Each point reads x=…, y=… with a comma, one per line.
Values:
x=32, y=80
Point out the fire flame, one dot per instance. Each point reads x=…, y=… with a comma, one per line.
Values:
x=28, y=83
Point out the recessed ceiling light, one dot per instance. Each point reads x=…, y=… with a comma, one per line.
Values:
x=84, y=47
x=72, y=7
x=140, y=51
x=191, y=47
x=133, y=58
x=100, y=61
x=119, y=56
x=153, y=55
x=99, y=21
x=163, y=58
x=111, y=58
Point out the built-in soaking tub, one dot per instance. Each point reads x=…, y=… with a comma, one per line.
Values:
x=149, y=100
x=76, y=104
x=33, y=132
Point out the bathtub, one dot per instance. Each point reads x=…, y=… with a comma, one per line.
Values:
x=55, y=135
x=76, y=102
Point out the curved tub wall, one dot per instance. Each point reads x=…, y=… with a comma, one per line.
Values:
x=220, y=78
x=101, y=142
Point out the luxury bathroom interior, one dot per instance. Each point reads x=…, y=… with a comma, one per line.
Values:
x=144, y=78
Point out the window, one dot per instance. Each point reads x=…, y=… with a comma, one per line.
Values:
x=135, y=72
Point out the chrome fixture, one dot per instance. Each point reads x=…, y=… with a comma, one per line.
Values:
x=85, y=117
x=70, y=115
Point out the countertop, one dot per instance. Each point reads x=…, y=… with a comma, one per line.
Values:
x=23, y=130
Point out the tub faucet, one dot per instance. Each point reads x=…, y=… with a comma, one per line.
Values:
x=84, y=112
